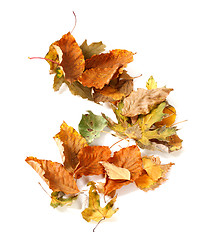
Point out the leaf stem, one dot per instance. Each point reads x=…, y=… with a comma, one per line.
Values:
x=98, y=223
x=47, y=59
x=75, y=22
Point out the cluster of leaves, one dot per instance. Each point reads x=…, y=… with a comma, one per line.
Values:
x=143, y=115
x=80, y=159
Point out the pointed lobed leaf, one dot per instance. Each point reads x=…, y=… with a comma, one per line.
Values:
x=92, y=49
x=154, y=173
x=94, y=211
x=54, y=174
x=151, y=83
x=91, y=125
x=69, y=142
x=89, y=160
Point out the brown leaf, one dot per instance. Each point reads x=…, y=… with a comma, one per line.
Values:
x=129, y=158
x=73, y=62
x=90, y=158
x=54, y=174
x=142, y=101
x=69, y=142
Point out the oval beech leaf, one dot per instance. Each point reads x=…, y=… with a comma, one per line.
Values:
x=54, y=174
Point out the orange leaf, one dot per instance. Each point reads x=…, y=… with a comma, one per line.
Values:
x=54, y=174
x=90, y=158
x=129, y=158
x=73, y=62
x=69, y=142
x=100, y=69
x=170, y=117
x=153, y=175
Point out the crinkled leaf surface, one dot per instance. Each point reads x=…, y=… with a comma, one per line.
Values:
x=89, y=160
x=94, y=211
x=54, y=174
x=129, y=158
x=143, y=101
x=69, y=142
x=91, y=125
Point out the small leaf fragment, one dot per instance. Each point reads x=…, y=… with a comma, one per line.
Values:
x=60, y=199
x=92, y=49
x=115, y=172
x=151, y=83
x=91, y=125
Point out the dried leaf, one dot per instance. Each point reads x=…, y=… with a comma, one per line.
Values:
x=115, y=91
x=91, y=125
x=92, y=49
x=60, y=199
x=54, y=174
x=69, y=142
x=115, y=172
x=100, y=69
x=153, y=175
x=143, y=101
x=129, y=158
x=89, y=160
x=170, y=117
x=73, y=62
x=151, y=83
x=94, y=211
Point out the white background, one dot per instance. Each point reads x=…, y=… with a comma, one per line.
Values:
x=165, y=36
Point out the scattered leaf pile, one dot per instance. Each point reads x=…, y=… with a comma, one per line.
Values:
x=143, y=115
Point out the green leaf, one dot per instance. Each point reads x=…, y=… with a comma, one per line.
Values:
x=91, y=125
x=60, y=199
x=94, y=48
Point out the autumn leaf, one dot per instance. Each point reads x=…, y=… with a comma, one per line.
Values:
x=54, y=174
x=92, y=49
x=115, y=172
x=60, y=199
x=151, y=83
x=128, y=158
x=117, y=89
x=169, y=118
x=69, y=142
x=72, y=59
x=100, y=69
x=89, y=160
x=91, y=125
x=143, y=101
x=154, y=173
x=94, y=211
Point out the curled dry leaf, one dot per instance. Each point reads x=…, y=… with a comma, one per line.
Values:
x=73, y=62
x=142, y=101
x=54, y=174
x=69, y=142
